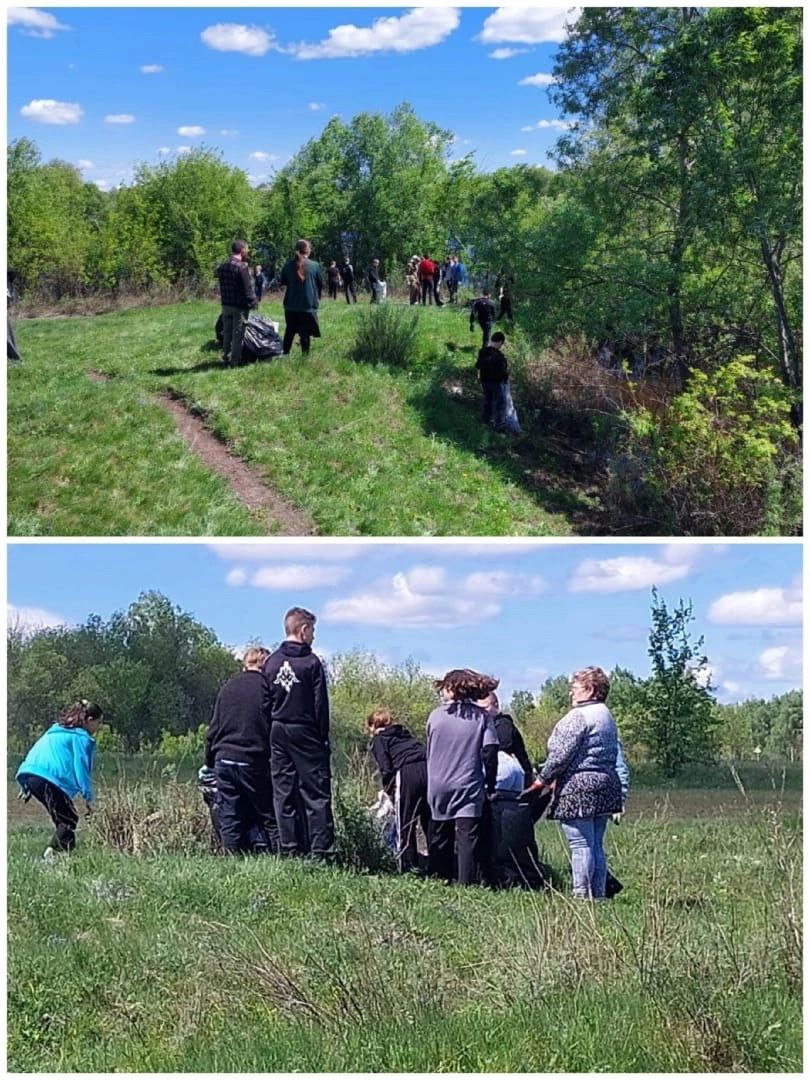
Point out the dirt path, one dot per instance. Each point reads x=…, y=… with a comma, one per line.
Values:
x=273, y=511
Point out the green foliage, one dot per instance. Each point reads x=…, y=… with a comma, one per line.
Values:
x=387, y=335
x=757, y=728
x=735, y=421
x=677, y=718
x=188, y=744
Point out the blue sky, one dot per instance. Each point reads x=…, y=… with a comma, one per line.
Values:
x=521, y=611
x=104, y=88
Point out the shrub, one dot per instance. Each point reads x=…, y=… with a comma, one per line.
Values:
x=387, y=334
x=721, y=460
x=360, y=845
x=145, y=819
x=189, y=744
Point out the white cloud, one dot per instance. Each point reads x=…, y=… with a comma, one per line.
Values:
x=316, y=106
x=298, y=576
x=84, y=164
x=417, y=598
x=163, y=150
x=35, y=23
x=236, y=37
x=506, y=54
x=526, y=25
x=544, y=125
x=519, y=153
x=190, y=131
x=502, y=583
x=31, y=619
x=151, y=69
x=48, y=111
x=236, y=577
x=262, y=155
x=311, y=550
x=183, y=150
x=623, y=574
x=759, y=607
x=540, y=79
x=102, y=185
x=782, y=662
x=119, y=118
x=228, y=132
x=420, y=28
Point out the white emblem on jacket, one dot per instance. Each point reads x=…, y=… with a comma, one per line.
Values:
x=286, y=677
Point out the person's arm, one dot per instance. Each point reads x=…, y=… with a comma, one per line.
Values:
x=563, y=744
x=384, y=763
x=503, y=368
x=319, y=282
x=489, y=754
x=519, y=750
x=623, y=769
x=83, y=756
x=473, y=312
x=247, y=281
x=321, y=700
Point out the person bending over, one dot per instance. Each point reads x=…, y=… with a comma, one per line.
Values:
x=401, y=761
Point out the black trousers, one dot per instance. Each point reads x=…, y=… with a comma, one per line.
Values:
x=244, y=808
x=427, y=290
x=412, y=809
x=59, y=806
x=348, y=287
x=455, y=850
x=302, y=777
x=289, y=337
x=333, y=288
x=506, y=309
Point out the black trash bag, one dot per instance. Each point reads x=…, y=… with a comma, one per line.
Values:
x=261, y=339
x=514, y=862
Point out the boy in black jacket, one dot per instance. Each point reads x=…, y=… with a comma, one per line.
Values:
x=299, y=739
x=401, y=761
x=483, y=312
x=237, y=748
x=493, y=371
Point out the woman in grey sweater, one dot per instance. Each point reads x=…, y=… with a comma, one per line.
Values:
x=581, y=763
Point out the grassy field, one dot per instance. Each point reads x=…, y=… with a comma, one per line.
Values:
x=360, y=450
x=197, y=963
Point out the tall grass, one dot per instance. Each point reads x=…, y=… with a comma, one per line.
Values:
x=387, y=334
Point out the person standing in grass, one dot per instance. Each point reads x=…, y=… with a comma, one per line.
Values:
x=237, y=749
x=482, y=312
x=347, y=277
x=258, y=283
x=302, y=279
x=581, y=763
x=401, y=761
x=299, y=740
x=238, y=296
x=462, y=768
x=493, y=371
x=333, y=279
x=412, y=280
x=374, y=279
x=58, y=767
x=425, y=273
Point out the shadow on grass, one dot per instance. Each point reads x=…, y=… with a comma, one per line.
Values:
x=450, y=408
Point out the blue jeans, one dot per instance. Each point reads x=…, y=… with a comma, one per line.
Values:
x=588, y=860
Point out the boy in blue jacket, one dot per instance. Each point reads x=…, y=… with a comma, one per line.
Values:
x=59, y=766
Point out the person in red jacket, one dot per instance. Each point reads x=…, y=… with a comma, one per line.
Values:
x=427, y=268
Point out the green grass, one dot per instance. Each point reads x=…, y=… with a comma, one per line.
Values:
x=361, y=449
x=198, y=963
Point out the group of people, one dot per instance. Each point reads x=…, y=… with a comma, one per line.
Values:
x=471, y=788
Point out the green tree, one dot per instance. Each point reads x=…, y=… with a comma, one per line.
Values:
x=677, y=719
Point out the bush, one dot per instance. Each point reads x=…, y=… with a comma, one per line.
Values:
x=387, y=334
x=189, y=744
x=360, y=846
x=721, y=460
x=145, y=819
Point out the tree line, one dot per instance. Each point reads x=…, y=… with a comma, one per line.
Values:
x=672, y=219
x=156, y=672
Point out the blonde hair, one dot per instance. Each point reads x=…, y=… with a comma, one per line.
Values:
x=380, y=718
x=593, y=679
x=254, y=656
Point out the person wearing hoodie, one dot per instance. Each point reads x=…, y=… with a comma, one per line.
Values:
x=237, y=749
x=299, y=740
x=401, y=761
x=58, y=767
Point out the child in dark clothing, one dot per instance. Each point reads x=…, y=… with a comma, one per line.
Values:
x=401, y=761
x=237, y=749
x=483, y=313
x=493, y=371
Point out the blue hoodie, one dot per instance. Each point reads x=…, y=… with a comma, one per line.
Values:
x=65, y=757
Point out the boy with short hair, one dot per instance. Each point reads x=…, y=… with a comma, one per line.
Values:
x=483, y=312
x=237, y=748
x=493, y=371
x=299, y=739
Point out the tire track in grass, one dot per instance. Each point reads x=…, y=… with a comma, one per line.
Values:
x=246, y=485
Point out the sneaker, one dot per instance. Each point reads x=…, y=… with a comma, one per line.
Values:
x=49, y=855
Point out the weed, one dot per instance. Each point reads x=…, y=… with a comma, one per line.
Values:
x=387, y=334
